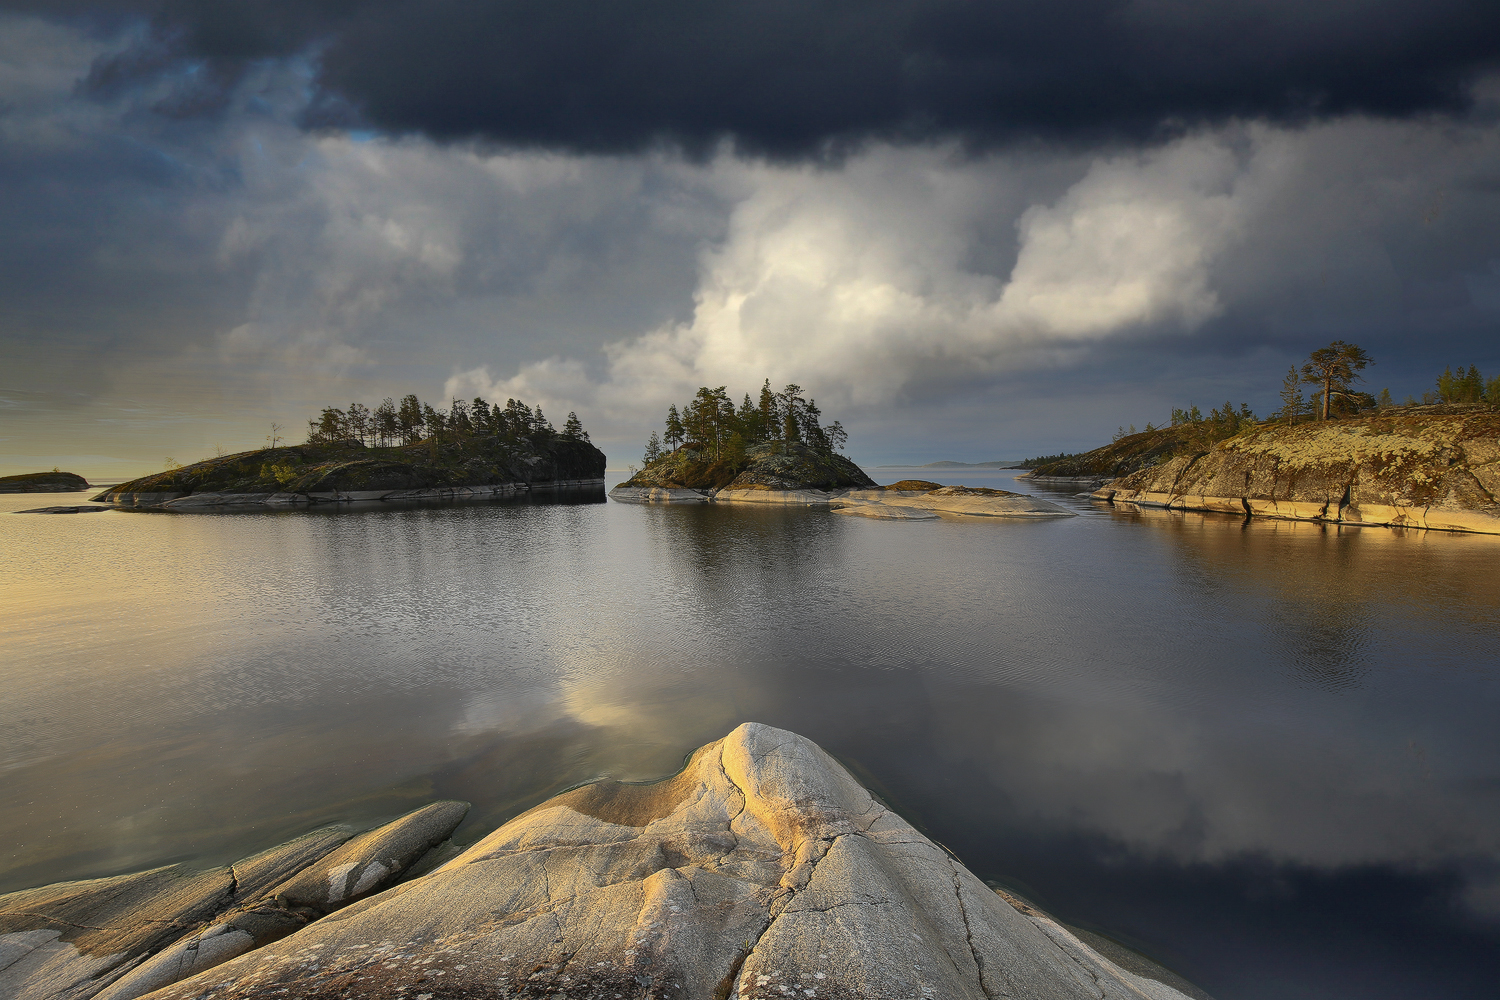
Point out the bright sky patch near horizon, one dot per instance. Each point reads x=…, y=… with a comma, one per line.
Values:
x=970, y=231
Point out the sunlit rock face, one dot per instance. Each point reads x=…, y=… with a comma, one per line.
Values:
x=921, y=504
x=761, y=870
x=1423, y=468
x=123, y=937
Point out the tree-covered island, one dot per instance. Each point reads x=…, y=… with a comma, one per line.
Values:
x=777, y=442
x=396, y=450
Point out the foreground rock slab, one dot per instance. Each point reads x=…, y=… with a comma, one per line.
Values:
x=763, y=869
x=121, y=938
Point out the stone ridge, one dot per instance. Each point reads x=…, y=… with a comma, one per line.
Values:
x=123, y=937
x=1436, y=470
x=762, y=869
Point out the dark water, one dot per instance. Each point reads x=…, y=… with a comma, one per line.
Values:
x=1265, y=754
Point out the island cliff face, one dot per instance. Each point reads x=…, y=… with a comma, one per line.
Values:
x=488, y=466
x=1424, y=467
x=762, y=869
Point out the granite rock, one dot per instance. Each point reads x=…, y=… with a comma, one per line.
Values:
x=1420, y=469
x=763, y=869
x=122, y=937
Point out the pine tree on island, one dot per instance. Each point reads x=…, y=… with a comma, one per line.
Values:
x=710, y=441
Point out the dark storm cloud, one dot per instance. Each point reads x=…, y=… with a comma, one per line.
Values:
x=793, y=78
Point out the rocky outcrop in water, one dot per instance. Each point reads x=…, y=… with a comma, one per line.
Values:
x=43, y=482
x=893, y=503
x=1423, y=467
x=458, y=468
x=773, y=467
x=761, y=870
x=123, y=937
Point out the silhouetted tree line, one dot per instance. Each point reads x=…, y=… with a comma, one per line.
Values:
x=410, y=420
x=712, y=423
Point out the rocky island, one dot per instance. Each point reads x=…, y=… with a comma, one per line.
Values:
x=1434, y=467
x=778, y=452
x=469, y=452
x=762, y=869
x=43, y=482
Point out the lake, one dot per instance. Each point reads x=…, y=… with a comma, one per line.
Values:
x=1264, y=753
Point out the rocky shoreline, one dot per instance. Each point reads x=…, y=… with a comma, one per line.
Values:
x=762, y=869
x=188, y=501
x=1435, y=468
x=909, y=500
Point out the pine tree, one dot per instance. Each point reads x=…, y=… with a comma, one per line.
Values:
x=790, y=399
x=1291, y=395
x=675, y=432
x=357, y=421
x=409, y=419
x=386, y=429
x=770, y=415
x=653, y=450
x=573, y=429
x=1335, y=368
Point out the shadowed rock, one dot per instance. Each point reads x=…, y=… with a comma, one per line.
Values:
x=120, y=938
x=761, y=870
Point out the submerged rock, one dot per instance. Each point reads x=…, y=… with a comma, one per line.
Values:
x=123, y=937
x=763, y=869
x=657, y=494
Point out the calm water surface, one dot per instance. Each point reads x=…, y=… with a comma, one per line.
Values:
x=1265, y=754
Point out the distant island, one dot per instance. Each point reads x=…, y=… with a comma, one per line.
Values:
x=776, y=451
x=55, y=481
x=396, y=451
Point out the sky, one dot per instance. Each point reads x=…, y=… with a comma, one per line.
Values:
x=971, y=231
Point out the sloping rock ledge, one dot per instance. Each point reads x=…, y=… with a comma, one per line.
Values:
x=191, y=501
x=1434, y=470
x=124, y=937
x=763, y=869
x=887, y=503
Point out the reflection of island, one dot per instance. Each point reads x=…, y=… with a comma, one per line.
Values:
x=43, y=482
x=437, y=468
x=1421, y=467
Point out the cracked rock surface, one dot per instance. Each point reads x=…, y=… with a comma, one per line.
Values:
x=120, y=938
x=763, y=869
